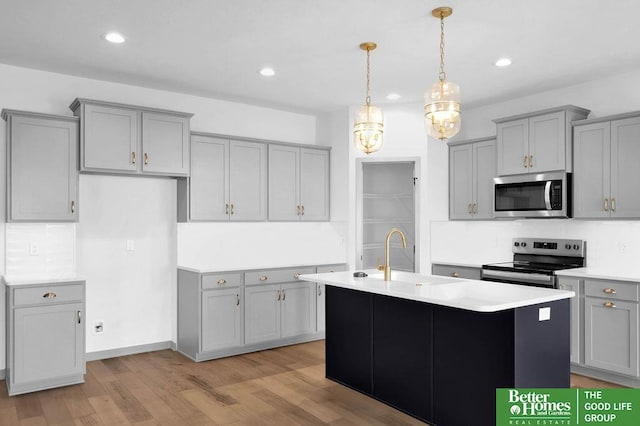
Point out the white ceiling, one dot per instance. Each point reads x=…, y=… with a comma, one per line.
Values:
x=214, y=48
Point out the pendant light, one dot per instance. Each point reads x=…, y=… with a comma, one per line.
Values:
x=368, y=126
x=442, y=101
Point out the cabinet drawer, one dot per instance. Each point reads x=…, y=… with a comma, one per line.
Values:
x=274, y=276
x=331, y=268
x=611, y=290
x=46, y=295
x=221, y=280
x=456, y=271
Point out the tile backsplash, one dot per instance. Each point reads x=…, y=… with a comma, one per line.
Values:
x=38, y=250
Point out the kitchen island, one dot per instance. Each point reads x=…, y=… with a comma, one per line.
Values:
x=437, y=348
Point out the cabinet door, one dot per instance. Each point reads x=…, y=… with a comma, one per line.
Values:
x=165, y=144
x=110, y=139
x=625, y=168
x=573, y=284
x=460, y=181
x=513, y=147
x=248, y=181
x=43, y=175
x=209, y=178
x=591, y=170
x=611, y=335
x=547, y=142
x=484, y=170
x=221, y=319
x=298, y=309
x=284, y=182
x=48, y=343
x=262, y=313
x=314, y=184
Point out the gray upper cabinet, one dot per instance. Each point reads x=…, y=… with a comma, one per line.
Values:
x=536, y=142
x=472, y=167
x=42, y=173
x=607, y=167
x=298, y=183
x=118, y=138
x=228, y=179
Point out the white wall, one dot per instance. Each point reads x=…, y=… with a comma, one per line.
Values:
x=133, y=292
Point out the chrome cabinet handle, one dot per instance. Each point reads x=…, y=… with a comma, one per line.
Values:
x=264, y=278
x=237, y=300
x=609, y=290
x=284, y=295
x=609, y=305
x=222, y=281
x=524, y=161
x=231, y=208
x=49, y=295
x=133, y=158
x=606, y=204
x=296, y=276
x=278, y=295
x=146, y=158
x=455, y=275
x=226, y=209
x=79, y=317
x=73, y=207
x=613, y=204
x=531, y=161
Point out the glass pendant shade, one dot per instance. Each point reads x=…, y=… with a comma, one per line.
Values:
x=442, y=110
x=368, y=129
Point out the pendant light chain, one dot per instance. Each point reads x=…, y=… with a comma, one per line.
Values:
x=442, y=74
x=368, y=98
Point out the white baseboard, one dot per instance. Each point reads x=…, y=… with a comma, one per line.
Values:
x=130, y=350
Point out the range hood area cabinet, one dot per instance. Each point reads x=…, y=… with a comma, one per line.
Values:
x=472, y=167
x=536, y=142
x=42, y=174
x=125, y=139
x=607, y=167
x=228, y=180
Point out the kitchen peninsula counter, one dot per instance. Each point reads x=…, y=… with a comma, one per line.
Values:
x=437, y=348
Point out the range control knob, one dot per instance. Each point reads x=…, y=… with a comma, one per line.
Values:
x=567, y=246
x=523, y=244
x=517, y=244
x=576, y=247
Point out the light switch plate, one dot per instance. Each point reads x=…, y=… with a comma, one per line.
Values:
x=544, y=314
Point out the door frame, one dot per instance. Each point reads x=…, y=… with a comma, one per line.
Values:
x=417, y=174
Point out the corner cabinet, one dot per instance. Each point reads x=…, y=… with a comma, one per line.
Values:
x=298, y=183
x=607, y=167
x=45, y=335
x=536, y=142
x=472, y=167
x=42, y=171
x=119, y=138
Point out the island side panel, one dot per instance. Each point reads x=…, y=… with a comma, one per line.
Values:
x=543, y=346
x=472, y=356
x=402, y=350
x=348, y=343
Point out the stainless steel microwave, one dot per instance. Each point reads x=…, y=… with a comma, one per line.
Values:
x=532, y=195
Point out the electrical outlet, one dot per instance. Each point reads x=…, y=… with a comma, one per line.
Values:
x=98, y=327
x=34, y=249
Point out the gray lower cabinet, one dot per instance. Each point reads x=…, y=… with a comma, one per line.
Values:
x=472, y=167
x=119, y=138
x=573, y=284
x=228, y=313
x=45, y=336
x=467, y=272
x=42, y=174
x=298, y=183
x=607, y=167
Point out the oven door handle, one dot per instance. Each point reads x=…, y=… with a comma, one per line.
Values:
x=517, y=276
x=547, y=195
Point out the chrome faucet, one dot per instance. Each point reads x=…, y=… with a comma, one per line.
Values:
x=387, y=267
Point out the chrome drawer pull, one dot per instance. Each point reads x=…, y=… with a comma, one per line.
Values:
x=609, y=304
x=263, y=278
x=222, y=281
x=609, y=290
x=49, y=295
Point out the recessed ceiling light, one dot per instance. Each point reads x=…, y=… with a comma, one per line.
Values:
x=503, y=62
x=267, y=72
x=393, y=96
x=114, y=38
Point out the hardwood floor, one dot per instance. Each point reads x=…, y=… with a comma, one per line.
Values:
x=284, y=386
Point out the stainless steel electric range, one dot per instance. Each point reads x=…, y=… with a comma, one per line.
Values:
x=536, y=260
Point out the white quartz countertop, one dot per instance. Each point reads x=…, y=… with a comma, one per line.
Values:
x=208, y=269
x=612, y=273
x=472, y=295
x=474, y=263
x=11, y=282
